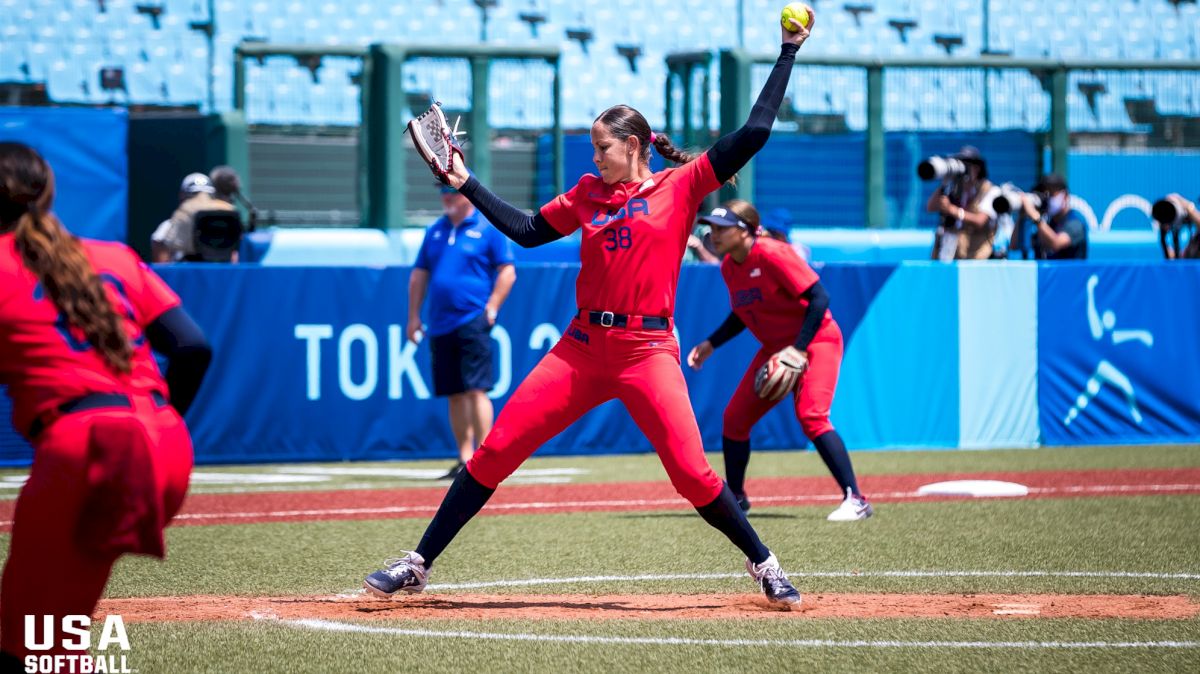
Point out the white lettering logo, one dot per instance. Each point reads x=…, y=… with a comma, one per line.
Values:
x=358, y=361
x=360, y=390
x=313, y=334
x=401, y=354
x=75, y=636
x=504, y=378
x=543, y=335
x=1106, y=372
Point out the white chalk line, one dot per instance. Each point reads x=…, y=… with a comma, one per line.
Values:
x=333, y=626
x=628, y=503
x=578, y=580
x=643, y=503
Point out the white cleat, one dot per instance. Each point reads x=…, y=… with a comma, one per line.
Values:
x=774, y=583
x=854, y=508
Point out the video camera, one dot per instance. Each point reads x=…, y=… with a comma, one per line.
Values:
x=941, y=168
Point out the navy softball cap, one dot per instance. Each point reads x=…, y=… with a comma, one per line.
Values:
x=722, y=217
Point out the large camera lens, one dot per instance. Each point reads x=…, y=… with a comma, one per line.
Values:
x=938, y=168
x=1166, y=212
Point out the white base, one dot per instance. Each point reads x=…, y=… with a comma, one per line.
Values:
x=976, y=488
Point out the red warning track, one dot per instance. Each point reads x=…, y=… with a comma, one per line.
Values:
x=205, y=509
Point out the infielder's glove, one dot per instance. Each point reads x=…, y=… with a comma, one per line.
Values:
x=434, y=141
x=778, y=376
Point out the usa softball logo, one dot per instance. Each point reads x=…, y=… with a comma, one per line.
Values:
x=73, y=633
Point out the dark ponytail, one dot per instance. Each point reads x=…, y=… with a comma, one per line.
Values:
x=55, y=256
x=623, y=121
x=662, y=143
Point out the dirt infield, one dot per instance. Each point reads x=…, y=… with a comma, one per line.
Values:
x=651, y=607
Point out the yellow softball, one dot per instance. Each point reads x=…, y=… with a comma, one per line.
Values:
x=797, y=11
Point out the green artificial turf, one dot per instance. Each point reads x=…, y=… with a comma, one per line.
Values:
x=1106, y=535
x=1152, y=534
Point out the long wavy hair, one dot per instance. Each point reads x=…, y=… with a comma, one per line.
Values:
x=55, y=256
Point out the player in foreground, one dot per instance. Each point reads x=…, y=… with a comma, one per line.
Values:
x=619, y=345
x=111, y=457
x=779, y=297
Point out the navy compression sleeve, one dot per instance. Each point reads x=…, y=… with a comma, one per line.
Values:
x=731, y=328
x=176, y=336
x=818, y=304
x=527, y=231
x=734, y=150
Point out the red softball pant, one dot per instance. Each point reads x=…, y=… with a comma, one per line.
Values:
x=104, y=482
x=812, y=399
x=591, y=365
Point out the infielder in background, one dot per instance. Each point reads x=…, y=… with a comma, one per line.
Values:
x=779, y=297
x=635, y=229
x=111, y=457
x=467, y=268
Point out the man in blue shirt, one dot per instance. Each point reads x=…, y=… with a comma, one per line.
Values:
x=1061, y=230
x=466, y=266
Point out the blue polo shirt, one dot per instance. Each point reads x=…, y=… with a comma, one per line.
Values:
x=462, y=263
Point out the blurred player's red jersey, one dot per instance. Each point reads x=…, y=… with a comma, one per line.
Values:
x=634, y=236
x=44, y=362
x=765, y=291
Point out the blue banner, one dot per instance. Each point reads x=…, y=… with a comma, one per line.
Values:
x=311, y=363
x=1118, y=356
x=1116, y=190
x=86, y=147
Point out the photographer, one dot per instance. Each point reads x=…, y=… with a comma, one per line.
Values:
x=963, y=201
x=174, y=239
x=1173, y=214
x=228, y=186
x=1061, y=230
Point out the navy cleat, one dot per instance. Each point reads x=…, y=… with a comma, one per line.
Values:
x=406, y=574
x=774, y=583
x=454, y=471
x=743, y=501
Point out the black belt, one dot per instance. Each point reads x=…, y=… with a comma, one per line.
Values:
x=91, y=401
x=610, y=320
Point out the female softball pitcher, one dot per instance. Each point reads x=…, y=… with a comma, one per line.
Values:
x=111, y=457
x=619, y=344
x=779, y=297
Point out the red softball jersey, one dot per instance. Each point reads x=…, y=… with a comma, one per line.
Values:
x=46, y=362
x=765, y=291
x=634, y=236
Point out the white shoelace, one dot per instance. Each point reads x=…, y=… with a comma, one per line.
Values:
x=772, y=575
x=397, y=565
